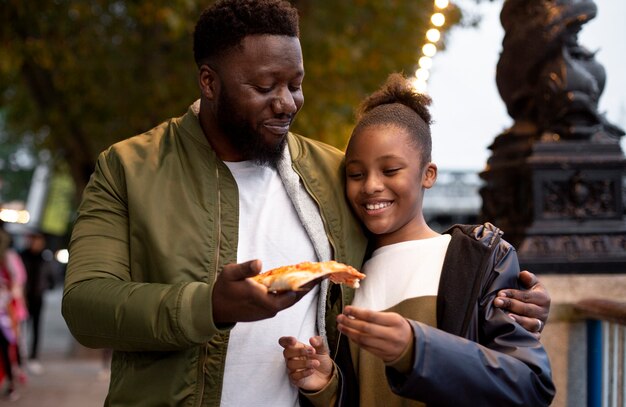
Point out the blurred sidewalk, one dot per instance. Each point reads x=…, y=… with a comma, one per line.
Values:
x=72, y=375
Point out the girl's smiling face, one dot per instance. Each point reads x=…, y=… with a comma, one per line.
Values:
x=385, y=183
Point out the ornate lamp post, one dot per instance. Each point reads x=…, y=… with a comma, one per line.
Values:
x=554, y=181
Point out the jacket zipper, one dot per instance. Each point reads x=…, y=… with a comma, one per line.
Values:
x=493, y=245
x=202, y=374
x=202, y=368
x=480, y=285
x=219, y=222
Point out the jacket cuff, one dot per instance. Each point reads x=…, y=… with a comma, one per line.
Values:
x=327, y=395
x=404, y=363
x=195, y=313
x=398, y=377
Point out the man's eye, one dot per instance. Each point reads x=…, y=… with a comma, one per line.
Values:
x=262, y=89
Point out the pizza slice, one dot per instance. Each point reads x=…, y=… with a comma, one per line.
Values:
x=295, y=277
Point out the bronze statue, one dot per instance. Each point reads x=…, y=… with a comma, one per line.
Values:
x=550, y=84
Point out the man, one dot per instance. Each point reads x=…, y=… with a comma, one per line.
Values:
x=172, y=222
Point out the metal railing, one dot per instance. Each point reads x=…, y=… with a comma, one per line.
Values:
x=606, y=355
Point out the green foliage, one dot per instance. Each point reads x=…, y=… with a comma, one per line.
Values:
x=14, y=184
x=90, y=72
x=350, y=47
x=17, y=162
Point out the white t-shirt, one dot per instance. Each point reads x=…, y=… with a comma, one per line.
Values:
x=401, y=271
x=269, y=230
x=402, y=278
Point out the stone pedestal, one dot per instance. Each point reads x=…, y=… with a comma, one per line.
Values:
x=559, y=202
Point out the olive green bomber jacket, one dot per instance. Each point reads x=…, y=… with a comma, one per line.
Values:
x=158, y=221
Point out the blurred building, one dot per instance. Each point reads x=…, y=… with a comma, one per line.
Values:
x=455, y=198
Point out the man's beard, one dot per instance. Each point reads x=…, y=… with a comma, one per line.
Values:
x=248, y=141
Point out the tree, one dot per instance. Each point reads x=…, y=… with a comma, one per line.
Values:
x=16, y=169
x=18, y=160
x=349, y=48
x=91, y=72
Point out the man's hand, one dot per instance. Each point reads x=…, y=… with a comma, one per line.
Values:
x=239, y=299
x=309, y=367
x=385, y=334
x=529, y=307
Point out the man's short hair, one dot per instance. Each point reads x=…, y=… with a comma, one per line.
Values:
x=226, y=23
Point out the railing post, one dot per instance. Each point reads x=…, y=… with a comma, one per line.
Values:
x=594, y=363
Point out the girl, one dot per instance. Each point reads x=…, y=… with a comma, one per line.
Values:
x=422, y=327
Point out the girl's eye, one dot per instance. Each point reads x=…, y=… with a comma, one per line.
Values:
x=355, y=175
x=391, y=171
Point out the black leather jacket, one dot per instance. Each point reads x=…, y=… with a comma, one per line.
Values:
x=478, y=356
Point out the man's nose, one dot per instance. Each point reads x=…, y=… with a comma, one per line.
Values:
x=284, y=102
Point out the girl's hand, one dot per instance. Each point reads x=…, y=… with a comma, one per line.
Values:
x=309, y=367
x=385, y=334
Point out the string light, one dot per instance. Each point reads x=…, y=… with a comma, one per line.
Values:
x=429, y=49
x=441, y=4
x=422, y=74
x=433, y=35
x=419, y=85
x=425, y=62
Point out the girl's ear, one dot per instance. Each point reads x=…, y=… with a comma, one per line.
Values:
x=429, y=175
x=208, y=82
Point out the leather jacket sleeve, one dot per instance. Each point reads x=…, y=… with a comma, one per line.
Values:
x=505, y=365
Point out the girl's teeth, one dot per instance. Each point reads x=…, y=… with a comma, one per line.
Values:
x=381, y=205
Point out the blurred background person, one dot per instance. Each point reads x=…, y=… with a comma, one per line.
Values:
x=40, y=277
x=9, y=320
x=19, y=310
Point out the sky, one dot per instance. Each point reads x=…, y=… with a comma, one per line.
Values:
x=467, y=109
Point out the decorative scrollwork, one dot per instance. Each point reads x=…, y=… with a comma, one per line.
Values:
x=579, y=198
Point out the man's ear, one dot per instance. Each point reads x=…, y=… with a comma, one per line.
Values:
x=429, y=176
x=208, y=82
